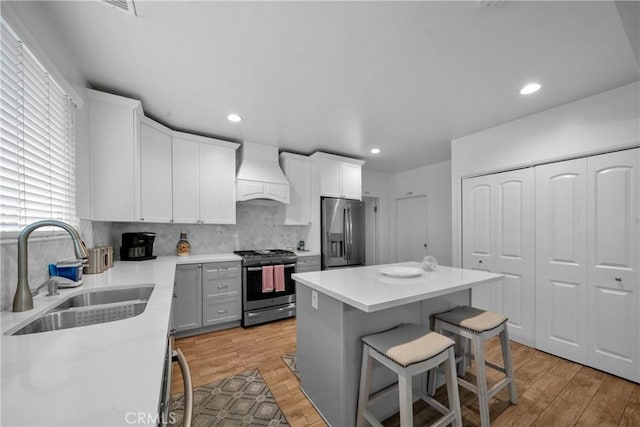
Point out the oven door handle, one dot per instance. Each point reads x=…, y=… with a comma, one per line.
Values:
x=188, y=387
x=281, y=309
x=260, y=268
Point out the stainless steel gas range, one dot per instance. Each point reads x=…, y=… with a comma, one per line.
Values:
x=268, y=291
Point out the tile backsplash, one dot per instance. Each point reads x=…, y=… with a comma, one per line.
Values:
x=258, y=226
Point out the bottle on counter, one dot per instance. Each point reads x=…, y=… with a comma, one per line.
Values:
x=429, y=263
x=183, y=248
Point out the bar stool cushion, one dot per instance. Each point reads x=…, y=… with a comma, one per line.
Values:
x=472, y=318
x=408, y=344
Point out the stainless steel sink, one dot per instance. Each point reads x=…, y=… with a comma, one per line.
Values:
x=91, y=308
x=106, y=297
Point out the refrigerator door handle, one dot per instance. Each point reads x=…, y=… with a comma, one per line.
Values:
x=349, y=226
x=345, y=235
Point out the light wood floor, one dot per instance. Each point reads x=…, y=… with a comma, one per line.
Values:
x=551, y=390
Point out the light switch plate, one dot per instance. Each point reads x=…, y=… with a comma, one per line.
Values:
x=314, y=299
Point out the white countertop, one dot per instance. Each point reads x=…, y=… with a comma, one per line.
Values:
x=366, y=289
x=306, y=253
x=98, y=374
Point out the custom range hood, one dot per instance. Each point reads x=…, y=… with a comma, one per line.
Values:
x=259, y=175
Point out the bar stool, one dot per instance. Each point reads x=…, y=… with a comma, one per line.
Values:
x=478, y=325
x=408, y=350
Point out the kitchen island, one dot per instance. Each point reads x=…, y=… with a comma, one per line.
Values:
x=335, y=308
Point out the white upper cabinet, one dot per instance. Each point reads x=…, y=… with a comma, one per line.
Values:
x=339, y=176
x=297, y=169
x=204, y=176
x=217, y=182
x=115, y=148
x=155, y=172
x=143, y=171
x=186, y=181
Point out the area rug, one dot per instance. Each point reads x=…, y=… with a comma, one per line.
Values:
x=289, y=359
x=242, y=400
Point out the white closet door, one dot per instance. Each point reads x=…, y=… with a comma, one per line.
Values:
x=561, y=259
x=613, y=236
x=498, y=236
x=514, y=224
x=477, y=245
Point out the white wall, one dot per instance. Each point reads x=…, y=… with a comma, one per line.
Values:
x=377, y=184
x=434, y=181
x=603, y=122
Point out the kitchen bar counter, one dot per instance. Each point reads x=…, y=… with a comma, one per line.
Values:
x=336, y=308
x=105, y=374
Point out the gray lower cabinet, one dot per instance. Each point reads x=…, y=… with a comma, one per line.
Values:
x=308, y=263
x=187, y=297
x=222, y=293
x=206, y=295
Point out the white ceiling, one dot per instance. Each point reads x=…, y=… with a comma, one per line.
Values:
x=344, y=77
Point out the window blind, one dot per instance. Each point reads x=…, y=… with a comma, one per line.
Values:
x=37, y=144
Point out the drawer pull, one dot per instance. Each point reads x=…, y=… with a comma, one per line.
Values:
x=223, y=286
x=222, y=311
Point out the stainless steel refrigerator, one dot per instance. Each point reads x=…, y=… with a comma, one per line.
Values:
x=342, y=230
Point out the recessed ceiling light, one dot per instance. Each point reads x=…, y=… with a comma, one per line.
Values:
x=375, y=150
x=234, y=118
x=530, y=88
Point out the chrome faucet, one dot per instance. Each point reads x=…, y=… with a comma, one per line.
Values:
x=23, y=300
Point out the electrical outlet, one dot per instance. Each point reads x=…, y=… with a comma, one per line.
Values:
x=314, y=299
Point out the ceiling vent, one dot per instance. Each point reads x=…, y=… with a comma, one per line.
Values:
x=124, y=5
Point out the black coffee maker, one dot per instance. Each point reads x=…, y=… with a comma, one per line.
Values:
x=137, y=246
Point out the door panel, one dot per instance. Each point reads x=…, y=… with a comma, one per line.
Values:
x=512, y=300
x=333, y=233
x=515, y=236
x=510, y=220
x=561, y=256
x=411, y=228
x=613, y=239
x=477, y=241
x=188, y=301
x=498, y=236
x=186, y=183
x=563, y=318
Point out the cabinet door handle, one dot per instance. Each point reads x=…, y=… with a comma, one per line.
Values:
x=618, y=279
